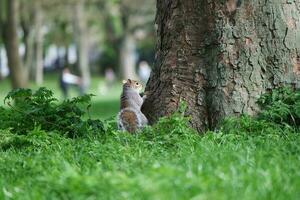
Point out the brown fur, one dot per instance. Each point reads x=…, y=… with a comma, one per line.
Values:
x=124, y=104
x=130, y=117
x=129, y=120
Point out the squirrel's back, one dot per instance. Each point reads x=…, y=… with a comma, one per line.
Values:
x=128, y=120
x=130, y=117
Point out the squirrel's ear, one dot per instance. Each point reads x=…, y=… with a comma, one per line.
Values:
x=124, y=81
x=129, y=80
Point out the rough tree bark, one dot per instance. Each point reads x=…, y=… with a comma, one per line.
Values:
x=10, y=27
x=82, y=44
x=220, y=56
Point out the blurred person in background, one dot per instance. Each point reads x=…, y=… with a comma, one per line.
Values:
x=144, y=71
x=68, y=79
x=110, y=78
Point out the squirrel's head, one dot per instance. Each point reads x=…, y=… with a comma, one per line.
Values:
x=133, y=84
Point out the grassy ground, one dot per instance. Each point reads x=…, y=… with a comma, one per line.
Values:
x=245, y=159
x=166, y=162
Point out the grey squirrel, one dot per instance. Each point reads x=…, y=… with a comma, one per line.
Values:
x=130, y=118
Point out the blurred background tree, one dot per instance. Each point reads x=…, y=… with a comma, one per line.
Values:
x=9, y=23
x=40, y=37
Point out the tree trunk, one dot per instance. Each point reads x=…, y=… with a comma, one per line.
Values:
x=82, y=44
x=220, y=56
x=128, y=57
x=38, y=50
x=1, y=62
x=29, y=47
x=17, y=74
x=112, y=37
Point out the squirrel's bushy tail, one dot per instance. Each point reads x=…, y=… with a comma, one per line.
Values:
x=128, y=120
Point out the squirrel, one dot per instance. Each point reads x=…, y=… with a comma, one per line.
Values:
x=130, y=118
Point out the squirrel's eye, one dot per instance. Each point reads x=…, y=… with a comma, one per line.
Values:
x=137, y=83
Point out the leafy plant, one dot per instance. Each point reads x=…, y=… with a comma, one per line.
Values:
x=27, y=110
x=281, y=106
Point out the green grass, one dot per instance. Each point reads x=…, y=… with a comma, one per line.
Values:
x=168, y=161
x=245, y=159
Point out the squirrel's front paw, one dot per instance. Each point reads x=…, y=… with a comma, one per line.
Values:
x=146, y=94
